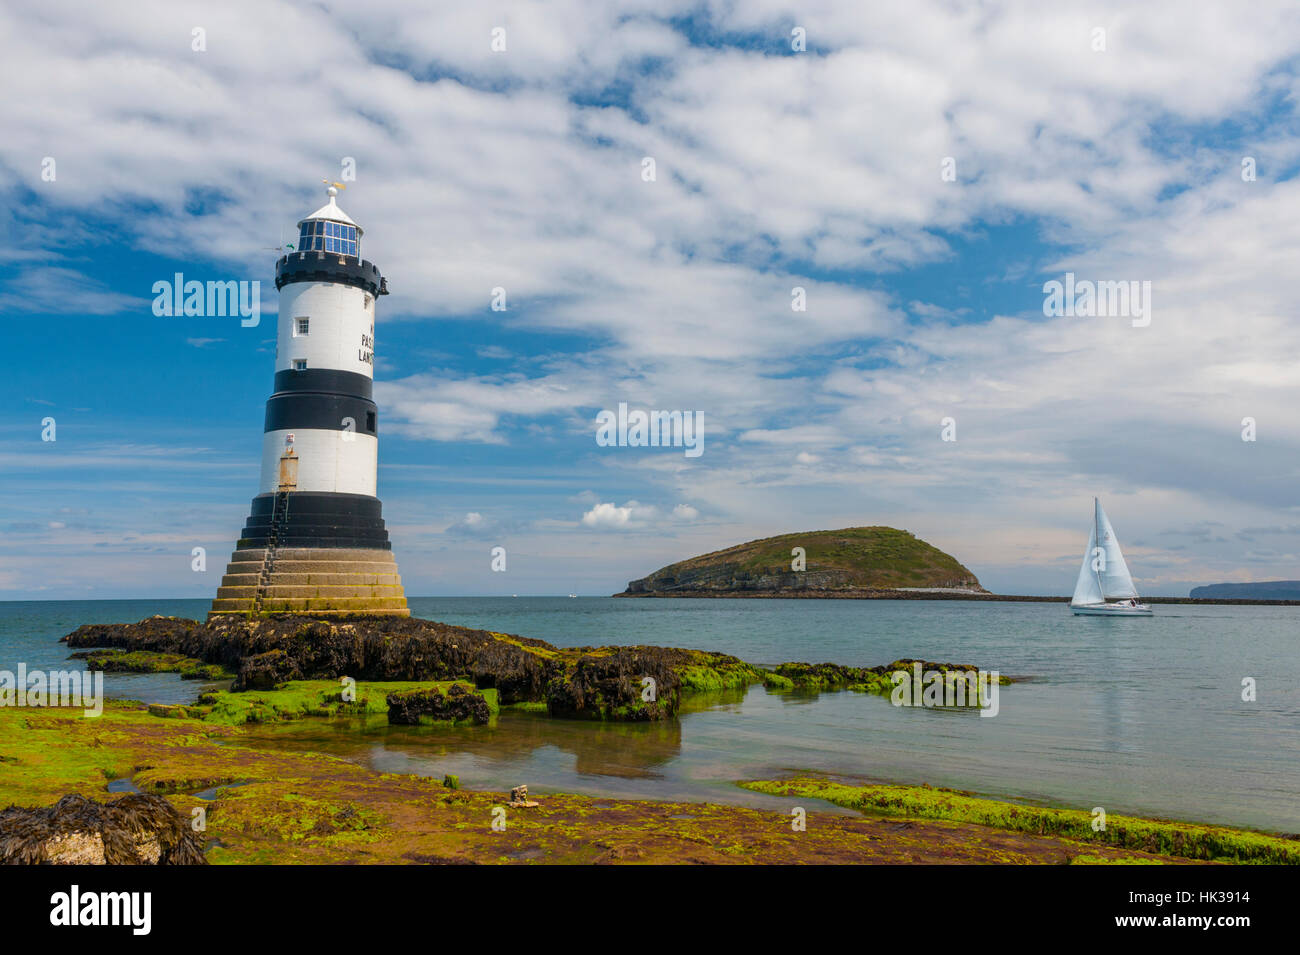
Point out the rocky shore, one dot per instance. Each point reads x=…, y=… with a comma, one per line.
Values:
x=640, y=683
x=291, y=803
x=606, y=683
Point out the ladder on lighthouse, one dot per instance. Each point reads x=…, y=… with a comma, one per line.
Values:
x=276, y=535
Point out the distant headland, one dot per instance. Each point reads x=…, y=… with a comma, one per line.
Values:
x=1288, y=590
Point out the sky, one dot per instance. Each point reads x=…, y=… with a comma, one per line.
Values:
x=920, y=170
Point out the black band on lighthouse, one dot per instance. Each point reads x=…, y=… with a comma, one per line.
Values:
x=304, y=411
x=319, y=519
x=329, y=267
x=327, y=380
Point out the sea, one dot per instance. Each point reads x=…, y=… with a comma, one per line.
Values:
x=1143, y=716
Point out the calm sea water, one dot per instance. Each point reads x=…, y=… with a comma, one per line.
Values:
x=1138, y=716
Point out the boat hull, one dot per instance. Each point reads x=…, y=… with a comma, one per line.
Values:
x=1110, y=610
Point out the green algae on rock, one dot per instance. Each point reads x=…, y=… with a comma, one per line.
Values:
x=149, y=661
x=458, y=703
x=834, y=676
x=329, y=698
x=628, y=684
x=1157, y=836
x=601, y=683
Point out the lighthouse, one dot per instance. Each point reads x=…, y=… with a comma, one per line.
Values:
x=315, y=540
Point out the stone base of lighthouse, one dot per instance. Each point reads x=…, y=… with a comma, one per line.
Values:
x=325, y=582
x=326, y=555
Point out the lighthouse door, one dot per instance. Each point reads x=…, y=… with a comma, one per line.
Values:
x=288, y=470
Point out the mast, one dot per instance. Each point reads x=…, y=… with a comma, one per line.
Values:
x=1096, y=536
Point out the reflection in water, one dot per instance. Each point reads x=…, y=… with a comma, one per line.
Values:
x=622, y=750
x=735, y=734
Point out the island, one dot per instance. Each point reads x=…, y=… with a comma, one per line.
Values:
x=849, y=562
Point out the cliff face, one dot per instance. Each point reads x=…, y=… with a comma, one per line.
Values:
x=851, y=559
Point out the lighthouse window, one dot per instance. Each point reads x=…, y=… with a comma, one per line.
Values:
x=300, y=364
x=303, y=324
x=321, y=236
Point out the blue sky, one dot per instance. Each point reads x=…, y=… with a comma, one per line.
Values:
x=522, y=169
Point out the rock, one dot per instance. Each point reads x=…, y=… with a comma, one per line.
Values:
x=586, y=683
x=150, y=661
x=134, y=830
x=601, y=683
x=268, y=651
x=265, y=671
x=608, y=685
x=75, y=848
x=519, y=798
x=835, y=676
x=458, y=704
x=168, y=710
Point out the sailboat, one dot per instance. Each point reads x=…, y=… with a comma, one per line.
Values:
x=1105, y=588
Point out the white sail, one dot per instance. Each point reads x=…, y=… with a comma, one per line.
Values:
x=1116, y=583
x=1087, y=589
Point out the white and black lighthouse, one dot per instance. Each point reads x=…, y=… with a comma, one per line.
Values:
x=315, y=541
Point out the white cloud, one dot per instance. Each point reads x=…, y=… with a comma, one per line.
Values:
x=611, y=516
